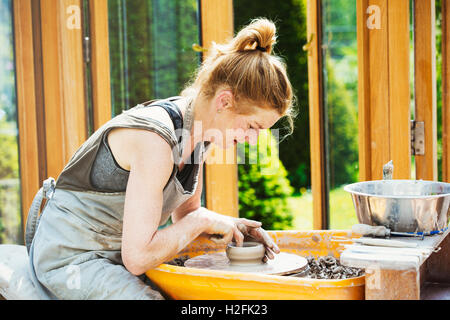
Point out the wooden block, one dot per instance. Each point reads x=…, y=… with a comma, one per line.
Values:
x=438, y=264
x=392, y=284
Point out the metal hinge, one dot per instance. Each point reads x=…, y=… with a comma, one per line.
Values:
x=87, y=49
x=417, y=138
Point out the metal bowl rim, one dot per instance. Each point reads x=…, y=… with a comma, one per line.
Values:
x=347, y=188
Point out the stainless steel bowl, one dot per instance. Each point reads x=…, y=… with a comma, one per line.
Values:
x=402, y=205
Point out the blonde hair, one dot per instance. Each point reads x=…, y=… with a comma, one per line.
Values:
x=246, y=66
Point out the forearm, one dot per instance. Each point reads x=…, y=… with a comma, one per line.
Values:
x=185, y=209
x=167, y=242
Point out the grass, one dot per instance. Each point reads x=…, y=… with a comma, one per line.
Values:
x=342, y=212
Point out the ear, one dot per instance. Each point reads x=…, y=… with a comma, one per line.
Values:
x=224, y=100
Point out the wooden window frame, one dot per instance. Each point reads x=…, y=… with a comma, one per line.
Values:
x=383, y=90
x=50, y=90
x=316, y=115
x=26, y=103
x=100, y=64
x=425, y=85
x=221, y=179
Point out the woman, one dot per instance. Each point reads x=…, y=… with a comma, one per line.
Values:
x=99, y=228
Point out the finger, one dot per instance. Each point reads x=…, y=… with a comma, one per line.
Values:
x=269, y=253
x=242, y=228
x=265, y=259
x=250, y=223
x=269, y=241
x=221, y=239
x=238, y=237
x=256, y=233
x=228, y=237
x=217, y=240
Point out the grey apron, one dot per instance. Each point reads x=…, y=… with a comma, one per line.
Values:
x=75, y=244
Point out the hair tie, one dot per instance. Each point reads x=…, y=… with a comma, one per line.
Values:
x=261, y=49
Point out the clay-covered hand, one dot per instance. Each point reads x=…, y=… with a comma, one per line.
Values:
x=222, y=229
x=258, y=234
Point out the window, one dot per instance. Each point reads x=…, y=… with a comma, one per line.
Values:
x=10, y=195
x=151, y=49
x=340, y=96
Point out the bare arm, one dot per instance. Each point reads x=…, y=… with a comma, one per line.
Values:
x=143, y=245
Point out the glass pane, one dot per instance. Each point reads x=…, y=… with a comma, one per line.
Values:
x=10, y=200
x=282, y=199
x=151, y=49
x=340, y=70
x=438, y=84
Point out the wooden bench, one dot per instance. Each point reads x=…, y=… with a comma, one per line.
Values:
x=416, y=273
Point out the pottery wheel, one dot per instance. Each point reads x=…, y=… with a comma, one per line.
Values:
x=282, y=264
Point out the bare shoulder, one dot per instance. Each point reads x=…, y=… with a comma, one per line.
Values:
x=155, y=113
x=127, y=144
x=124, y=141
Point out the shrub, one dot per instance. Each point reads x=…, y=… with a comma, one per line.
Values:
x=263, y=184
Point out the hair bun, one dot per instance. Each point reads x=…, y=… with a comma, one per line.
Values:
x=260, y=34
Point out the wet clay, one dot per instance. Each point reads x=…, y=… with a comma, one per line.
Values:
x=283, y=264
x=329, y=267
x=326, y=267
x=178, y=261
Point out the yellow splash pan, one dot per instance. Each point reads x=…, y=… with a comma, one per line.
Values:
x=193, y=283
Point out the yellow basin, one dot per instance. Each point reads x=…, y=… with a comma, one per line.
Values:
x=193, y=283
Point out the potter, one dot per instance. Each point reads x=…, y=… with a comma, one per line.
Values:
x=104, y=211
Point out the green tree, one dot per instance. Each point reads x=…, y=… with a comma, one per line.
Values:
x=263, y=184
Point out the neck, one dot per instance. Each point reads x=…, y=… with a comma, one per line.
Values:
x=201, y=121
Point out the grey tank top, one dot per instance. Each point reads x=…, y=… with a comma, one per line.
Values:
x=107, y=174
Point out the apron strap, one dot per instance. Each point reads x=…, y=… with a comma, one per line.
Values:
x=46, y=191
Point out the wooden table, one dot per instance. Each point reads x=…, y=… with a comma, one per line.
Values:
x=404, y=273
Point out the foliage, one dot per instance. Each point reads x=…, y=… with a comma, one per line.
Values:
x=289, y=17
x=342, y=131
x=9, y=156
x=263, y=185
x=150, y=49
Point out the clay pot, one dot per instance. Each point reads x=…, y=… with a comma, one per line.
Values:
x=249, y=254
